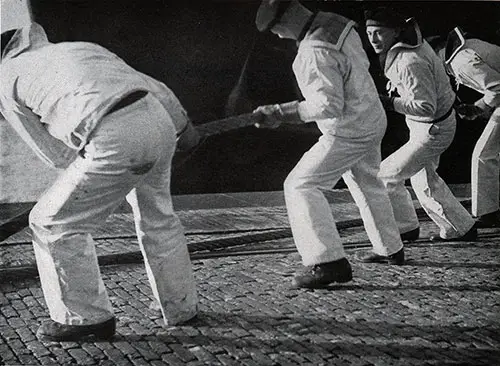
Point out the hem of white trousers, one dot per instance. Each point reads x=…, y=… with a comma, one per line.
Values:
x=460, y=233
x=401, y=247
x=387, y=253
x=181, y=318
x=478, y=213
x=316, y=261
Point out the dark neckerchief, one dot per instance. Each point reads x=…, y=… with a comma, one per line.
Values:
x=306, y=27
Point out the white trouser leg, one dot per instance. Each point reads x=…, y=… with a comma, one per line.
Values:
x=163, y=244
x=486, y=168
x=79, y=201
x=394, y=171
x=418, y=160
x=439, y=202
x=374, y=205
x=313, y=226
x=124, y=148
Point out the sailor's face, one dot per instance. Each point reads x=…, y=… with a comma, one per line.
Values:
x=381, y=38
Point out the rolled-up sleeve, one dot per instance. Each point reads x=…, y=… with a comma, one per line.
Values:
x=320, y=80
x=419, y=96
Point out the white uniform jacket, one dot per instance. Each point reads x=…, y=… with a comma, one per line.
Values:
x=54, y=106
x=342, y=99
x=475, y=64
x=331, y=68
x=419, y=77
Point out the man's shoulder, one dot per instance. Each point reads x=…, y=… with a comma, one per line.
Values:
x=330, y=28
x=77, y=45
x=411, y=56
x=334, y=17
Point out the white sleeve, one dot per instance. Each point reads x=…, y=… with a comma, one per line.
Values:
x=420, y=97
x=321, y=83
x=50, y=150
x=476, y=73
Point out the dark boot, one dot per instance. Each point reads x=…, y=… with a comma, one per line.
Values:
x=490, y=220
x=54, y=331
x=410, y=236
x=470, y=235
x=321, y=275
x=397, y=258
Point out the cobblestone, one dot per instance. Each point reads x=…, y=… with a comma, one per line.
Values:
x=441, y=308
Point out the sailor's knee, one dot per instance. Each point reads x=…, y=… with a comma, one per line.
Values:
x=390, y=175
x=291, y=184
x=476, y=156
x=386, y=177
x=38, y=218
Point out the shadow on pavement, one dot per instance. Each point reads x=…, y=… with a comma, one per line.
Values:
x=279, y=334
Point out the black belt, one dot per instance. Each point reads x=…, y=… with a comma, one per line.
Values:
x=443, y=117
x=128, y=100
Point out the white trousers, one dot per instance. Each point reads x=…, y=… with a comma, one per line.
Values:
x=486, y=168
x=129, y=155
x=357, y=161
x=418, y=160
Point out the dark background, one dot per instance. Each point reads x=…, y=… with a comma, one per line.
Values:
x=210, y=54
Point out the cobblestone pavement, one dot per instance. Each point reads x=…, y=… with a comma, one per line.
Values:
x=441, y=308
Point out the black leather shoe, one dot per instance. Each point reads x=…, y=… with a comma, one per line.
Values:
x=411, y=235
x=54, y=331
x=397, y=258
x=321, y=275
x=470, y=235
x=490, y=220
